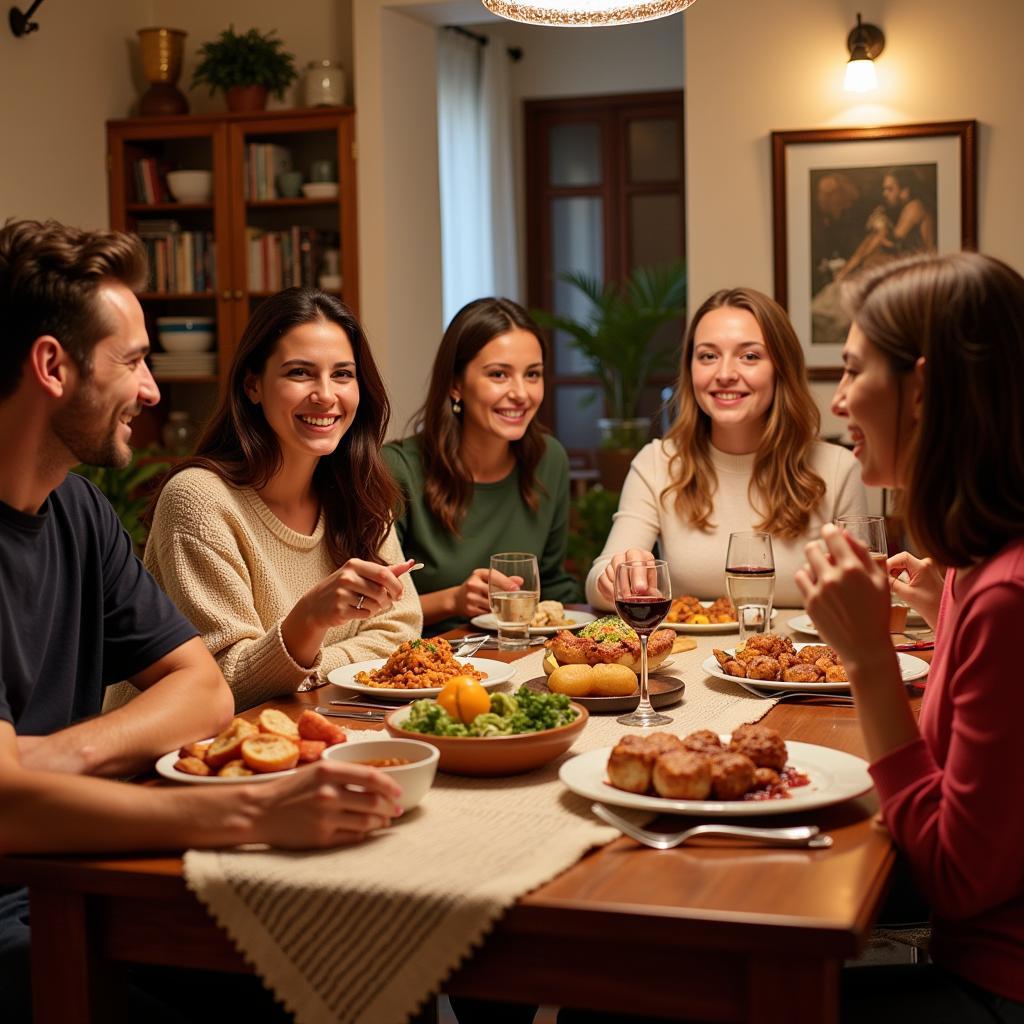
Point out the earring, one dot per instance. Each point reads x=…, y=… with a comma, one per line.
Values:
x=456, y=406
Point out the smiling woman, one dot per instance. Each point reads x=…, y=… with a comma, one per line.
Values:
x=276, y=538
x=480, y=475
x=743, y=454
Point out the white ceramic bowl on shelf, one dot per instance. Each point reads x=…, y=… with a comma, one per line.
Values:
x=190, y=186
x=185, y=333
x=320, y=190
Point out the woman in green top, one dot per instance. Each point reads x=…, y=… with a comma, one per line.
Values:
x=480, y=475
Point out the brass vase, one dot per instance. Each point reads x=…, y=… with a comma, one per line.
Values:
x=161, y=50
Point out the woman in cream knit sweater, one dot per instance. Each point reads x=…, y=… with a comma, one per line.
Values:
x=276, y=537
x=743, y=454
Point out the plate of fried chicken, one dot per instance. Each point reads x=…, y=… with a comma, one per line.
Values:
x=768, y=661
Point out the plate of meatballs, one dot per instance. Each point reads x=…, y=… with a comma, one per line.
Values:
x=771, y=662
x=753, y=772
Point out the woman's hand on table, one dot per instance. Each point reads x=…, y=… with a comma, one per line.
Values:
x=606, y=581
x=358, y=590
x=318, y=807
x=923, y=587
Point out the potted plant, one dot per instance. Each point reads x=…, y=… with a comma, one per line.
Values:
x=245, y=68
x=617, y=340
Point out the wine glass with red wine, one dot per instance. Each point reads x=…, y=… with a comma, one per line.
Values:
x=643, y=596
x=750, y=580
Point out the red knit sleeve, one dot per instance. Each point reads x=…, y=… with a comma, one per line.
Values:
x=957, y=819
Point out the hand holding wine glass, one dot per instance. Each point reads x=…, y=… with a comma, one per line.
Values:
x=643, y=596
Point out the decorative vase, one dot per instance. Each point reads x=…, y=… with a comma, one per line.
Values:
x=161, y=50
x=241, y=98
x=324, y=84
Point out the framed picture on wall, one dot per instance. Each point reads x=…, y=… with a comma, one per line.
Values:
x=847, y=200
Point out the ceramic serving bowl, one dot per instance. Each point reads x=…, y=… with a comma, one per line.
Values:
x=190, y=186
x=185, y=333
x=494, y=755
x=320, y=190
x=415, y=778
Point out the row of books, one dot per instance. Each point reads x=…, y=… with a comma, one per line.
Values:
x=263, y=162
x=285, y=259
x=150, y=181
x=180, y=262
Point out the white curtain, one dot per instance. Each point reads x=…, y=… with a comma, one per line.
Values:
x=479, y=248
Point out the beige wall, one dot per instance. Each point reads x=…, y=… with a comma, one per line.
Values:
x=59, y=86
x=310, y=30
x=943, y=61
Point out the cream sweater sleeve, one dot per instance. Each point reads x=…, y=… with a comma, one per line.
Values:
x=196, y=556
x=637, y=523
x=379, y=636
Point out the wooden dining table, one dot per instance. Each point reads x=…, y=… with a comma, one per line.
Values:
x=709, y=932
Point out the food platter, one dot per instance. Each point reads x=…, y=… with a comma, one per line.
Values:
x=700, y=628
x=911, y=668
x=165, y=767
x=664, y=691
x=835, y=777
x=345, y=676
x=490, y=623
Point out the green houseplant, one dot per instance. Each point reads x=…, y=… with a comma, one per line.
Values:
x=245, y=67
x=618, y=341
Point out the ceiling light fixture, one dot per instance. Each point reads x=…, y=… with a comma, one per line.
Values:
x=865, y=43
x=584, y=13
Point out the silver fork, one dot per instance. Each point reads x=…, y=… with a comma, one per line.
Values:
x=800, y=835
x=365, y=716
x=842, y=699
x=470, y=646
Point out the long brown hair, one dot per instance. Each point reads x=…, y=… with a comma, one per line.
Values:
x=356, y=491
x=448, y=484
x=783, y=487
x=964, y=477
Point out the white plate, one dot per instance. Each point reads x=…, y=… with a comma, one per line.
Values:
x=706, y=627
x=911, y=668
x=835, y=776
x=803, y=624
x=490, y=623
x=165, y=767
x=497, y=673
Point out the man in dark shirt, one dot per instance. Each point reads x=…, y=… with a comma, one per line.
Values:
x=78, y=611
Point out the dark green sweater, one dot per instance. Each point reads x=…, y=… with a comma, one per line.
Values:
x=496, y=520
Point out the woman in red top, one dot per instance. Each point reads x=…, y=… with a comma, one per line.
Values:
x=933, y=391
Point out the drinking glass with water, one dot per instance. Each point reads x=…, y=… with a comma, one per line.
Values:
x=514, y=607
x=750, y=580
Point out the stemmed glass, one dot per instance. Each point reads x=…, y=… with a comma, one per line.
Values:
x=643, y=596
x=750, y=580
x=870, y=531
x=513, y=608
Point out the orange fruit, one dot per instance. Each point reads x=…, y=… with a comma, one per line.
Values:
x=464, y=698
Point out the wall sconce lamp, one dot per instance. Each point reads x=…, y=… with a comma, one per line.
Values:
x=21, y=24
x=865, y=43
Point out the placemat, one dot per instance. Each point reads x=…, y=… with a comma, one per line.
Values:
x=367, y=933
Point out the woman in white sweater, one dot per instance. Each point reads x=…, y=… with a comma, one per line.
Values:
x=743, y=454
x=276, y=537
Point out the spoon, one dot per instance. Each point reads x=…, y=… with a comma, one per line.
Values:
x=800, y=835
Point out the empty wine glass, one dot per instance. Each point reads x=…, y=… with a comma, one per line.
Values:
x=513, y=608
x=643, y=596
x=870, y=531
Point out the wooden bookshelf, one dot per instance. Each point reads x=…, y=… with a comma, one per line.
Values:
x=222, y=144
